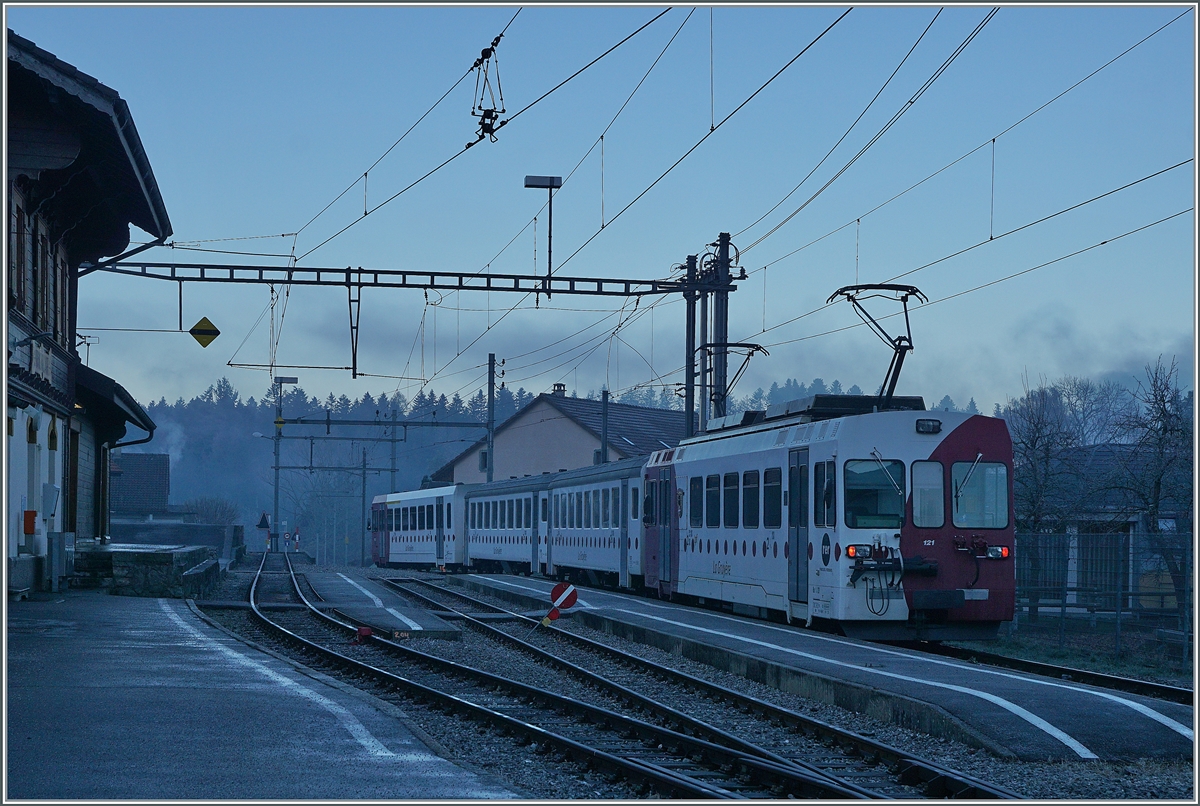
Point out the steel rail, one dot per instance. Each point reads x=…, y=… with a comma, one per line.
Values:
x=676, y=719
x=713, y=759
x=1129, y=685
x=937, y=781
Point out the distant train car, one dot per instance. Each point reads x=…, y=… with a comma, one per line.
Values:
x=506, y=525
x=889, y=525
x=419, y=528
x=595, y=524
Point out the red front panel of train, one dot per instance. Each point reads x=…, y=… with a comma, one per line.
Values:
x=959, y=508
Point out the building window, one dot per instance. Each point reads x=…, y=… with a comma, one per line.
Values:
x=483, y=461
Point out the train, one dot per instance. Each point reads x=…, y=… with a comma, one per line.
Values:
x=891, y=524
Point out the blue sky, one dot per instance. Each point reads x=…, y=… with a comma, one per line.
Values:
x=255, y=118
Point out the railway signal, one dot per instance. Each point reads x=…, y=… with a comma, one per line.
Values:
x=562, y=595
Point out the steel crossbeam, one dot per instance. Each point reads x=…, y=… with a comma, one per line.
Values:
x=350, y=277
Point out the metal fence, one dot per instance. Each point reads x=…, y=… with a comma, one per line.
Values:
x=1114, y=591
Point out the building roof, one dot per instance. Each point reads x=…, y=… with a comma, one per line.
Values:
x=44, y=85
x=109, y=402
x=632, y=430
x=141, y=483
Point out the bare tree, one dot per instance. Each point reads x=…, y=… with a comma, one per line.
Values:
x=1094, y=410
x=213, y=510
x=1044, y=482
x=1154, y=476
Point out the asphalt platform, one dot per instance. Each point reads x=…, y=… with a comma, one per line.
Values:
x=1010, y=714
x=372, y=604
x=121, y=698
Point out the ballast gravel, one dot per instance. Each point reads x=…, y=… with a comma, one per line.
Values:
x=541, y=775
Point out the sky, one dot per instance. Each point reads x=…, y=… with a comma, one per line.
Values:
x=256, y=118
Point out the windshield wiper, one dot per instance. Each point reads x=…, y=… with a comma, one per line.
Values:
x=878, y=457
x=960, y=487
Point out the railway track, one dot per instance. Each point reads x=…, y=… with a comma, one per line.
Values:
x=1116, y=683
x=779, y=735
x=670, y=763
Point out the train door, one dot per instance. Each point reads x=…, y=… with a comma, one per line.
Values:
x=798, y=525
x=439, y=531
x=624, y=534
x=658, y=549
x=532, y=522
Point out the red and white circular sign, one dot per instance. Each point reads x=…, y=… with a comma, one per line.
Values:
x=563, y=595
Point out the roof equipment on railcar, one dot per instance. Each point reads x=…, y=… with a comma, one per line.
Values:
x=901, y=344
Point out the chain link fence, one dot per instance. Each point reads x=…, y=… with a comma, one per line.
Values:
x=1115, y=593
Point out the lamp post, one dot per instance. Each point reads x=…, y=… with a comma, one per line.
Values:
x=549, y=183
x=280, y=380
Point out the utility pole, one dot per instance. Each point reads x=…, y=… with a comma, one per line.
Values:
x=392, y=486
x=280, y=380
x=604, y=427
x=704, y=361
x=720, y=383
x=362, y=543
x=491, y=420
x=689, y=367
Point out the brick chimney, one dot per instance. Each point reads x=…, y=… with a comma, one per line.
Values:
x=560, y=389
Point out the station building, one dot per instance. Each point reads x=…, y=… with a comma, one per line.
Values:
x=556, y=432
x=78, y=177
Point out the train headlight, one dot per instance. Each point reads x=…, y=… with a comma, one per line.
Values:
x=997, y=552
x=929, y=426
x=855, y=552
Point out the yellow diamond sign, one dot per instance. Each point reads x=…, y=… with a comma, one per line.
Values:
x=204, y=332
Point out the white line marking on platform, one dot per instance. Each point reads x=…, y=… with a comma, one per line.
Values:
x=1150, y=713
x=348, y=720
x=1011, y=707
x=532, y=589
x=379, y=603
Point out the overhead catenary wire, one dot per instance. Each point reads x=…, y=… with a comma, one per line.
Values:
x=995, y=238
x=849, y=129
x=466, y=148
x=982, y=145
x=708, y=134
x=896, y=117
x=997, y=281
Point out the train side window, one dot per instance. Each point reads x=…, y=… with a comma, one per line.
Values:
x=579, y=502
x=449, y=525
x=650, y=505
x=441, y=520
x=605, y=508
x=511, y=520
x=772, y=498
x=874, y=493
x=595, y=509
x=750, y=499
x=554, y=508
x=616, y=506
x=633, y=503
x=545, y=506
x=731, y=500
x=587, y=509
x=528, y=513
x=696, y=501
x=404, y=519
x=712, y=501
x=420, y=517
x=829, y=497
